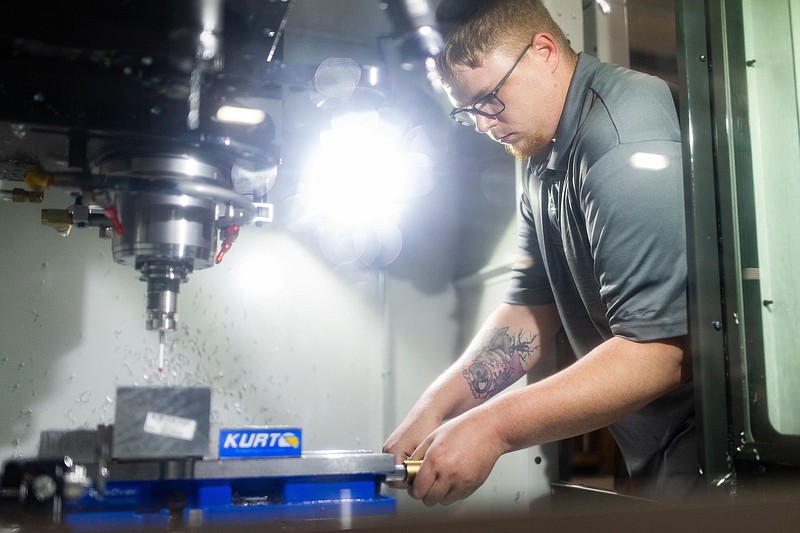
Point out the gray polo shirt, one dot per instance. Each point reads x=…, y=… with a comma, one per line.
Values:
x=602, y=235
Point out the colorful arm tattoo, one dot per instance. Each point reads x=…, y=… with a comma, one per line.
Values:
x=500, y=359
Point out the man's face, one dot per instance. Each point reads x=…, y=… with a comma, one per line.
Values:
x=529, y=120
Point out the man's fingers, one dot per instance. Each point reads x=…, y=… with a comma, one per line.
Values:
x=423, y=481
x=436, y=492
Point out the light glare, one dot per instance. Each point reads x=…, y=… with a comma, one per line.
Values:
x=649, y=161
x=361, y=175
x=356, y=187
x=604, y=6
x=240, y=115
x=373, y=76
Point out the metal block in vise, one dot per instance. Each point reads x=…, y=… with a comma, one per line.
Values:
x=161, y=422
x=79, y=444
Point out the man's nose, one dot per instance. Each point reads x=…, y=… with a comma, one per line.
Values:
x=483, y=124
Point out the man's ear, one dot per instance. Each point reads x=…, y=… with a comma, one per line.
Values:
x=545, y=46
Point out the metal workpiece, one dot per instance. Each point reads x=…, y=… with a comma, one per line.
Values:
x=79, y=444
x=161, y=423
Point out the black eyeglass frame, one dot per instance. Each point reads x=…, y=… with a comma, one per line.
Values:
x=475, y=109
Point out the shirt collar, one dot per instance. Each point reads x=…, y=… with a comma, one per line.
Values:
x=582, y=79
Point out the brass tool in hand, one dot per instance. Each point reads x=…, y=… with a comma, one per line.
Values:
x=405, y=472
x=412, y=467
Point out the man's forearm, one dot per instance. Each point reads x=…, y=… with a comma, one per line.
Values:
x=501, y=357
x=512, y=339
x=616, y=379
x=510, y=343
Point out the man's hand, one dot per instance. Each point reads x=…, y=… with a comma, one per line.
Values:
x=513, y=338
x=456, y=459
x=408, y=435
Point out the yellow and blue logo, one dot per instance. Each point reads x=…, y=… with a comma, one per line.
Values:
x=260, y=442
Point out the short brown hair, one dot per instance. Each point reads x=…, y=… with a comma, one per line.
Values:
x=486, y=25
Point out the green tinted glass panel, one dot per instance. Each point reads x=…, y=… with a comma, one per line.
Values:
x=769, y=215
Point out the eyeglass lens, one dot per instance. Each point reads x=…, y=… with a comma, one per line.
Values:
x=489, y=106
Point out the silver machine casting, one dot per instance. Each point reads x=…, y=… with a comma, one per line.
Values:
x=118, y=103
x=165, y=235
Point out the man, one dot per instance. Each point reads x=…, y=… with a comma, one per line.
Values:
x=603, y=247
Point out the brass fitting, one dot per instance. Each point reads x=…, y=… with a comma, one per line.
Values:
x=21, y=196
x=38, y=181
x=59, y=219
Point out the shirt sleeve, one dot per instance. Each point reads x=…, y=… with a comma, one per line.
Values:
x=529, y=282
x=633, y=202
